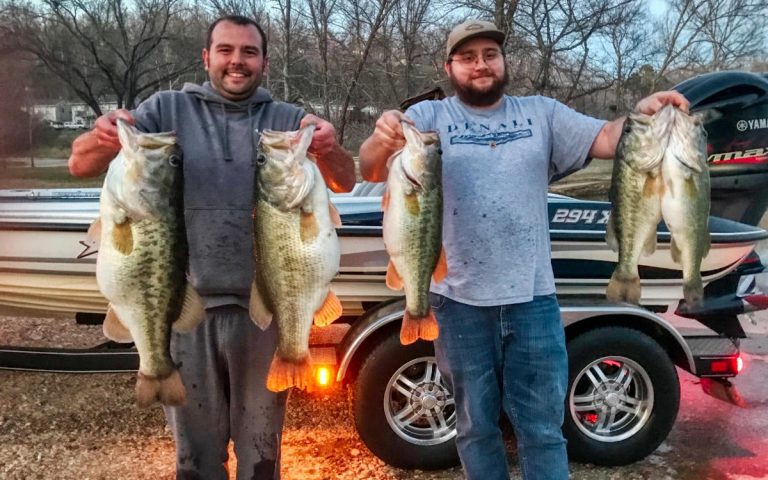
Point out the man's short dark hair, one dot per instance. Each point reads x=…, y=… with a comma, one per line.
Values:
x=237, y=20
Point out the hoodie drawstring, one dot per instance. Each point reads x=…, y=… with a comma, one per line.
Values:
x=227, y=153
x=251, y=126
x=208, y=95
x=253, y=135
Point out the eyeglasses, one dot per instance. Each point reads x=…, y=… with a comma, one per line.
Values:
x=471, y=58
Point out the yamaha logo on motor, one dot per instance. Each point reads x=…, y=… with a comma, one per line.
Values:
x=753, y=124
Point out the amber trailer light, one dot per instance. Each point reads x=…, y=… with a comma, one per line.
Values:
x=323, y=376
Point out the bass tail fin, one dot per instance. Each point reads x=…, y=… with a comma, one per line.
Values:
x=623, y=289
x=284, y=374
x=693, y=292
x=168, y=390
x=415, y=328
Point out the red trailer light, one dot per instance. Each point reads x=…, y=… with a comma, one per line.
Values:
x=758, y=300
x=727, y=365
x=719, y=366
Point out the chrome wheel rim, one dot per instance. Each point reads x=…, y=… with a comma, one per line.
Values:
x=418, y=405
x=611, y=399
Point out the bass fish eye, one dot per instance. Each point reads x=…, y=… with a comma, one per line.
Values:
x=261, y=159
x=174, y=160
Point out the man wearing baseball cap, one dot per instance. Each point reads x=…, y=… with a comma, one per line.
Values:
x=501, y=342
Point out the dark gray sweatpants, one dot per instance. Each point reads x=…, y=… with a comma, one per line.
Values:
x=224, y=364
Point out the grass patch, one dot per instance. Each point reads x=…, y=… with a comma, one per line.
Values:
x=44, y=177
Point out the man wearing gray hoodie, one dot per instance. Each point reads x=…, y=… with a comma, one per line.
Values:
x=224, y=361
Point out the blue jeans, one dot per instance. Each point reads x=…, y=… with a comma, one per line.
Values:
x=510, y=356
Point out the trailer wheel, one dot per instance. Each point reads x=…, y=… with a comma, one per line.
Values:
x=403, y=410
x=623, y=396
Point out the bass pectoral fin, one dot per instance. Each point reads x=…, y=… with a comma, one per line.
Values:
x=309, y=228
x=122, y=237
x=707, y=244
x=335, y=216
x=329, y=311
x=394, y=280
x=610, y=234
x=92, y=239
x=114, y=329
x=192, y=312
x=385, y=200
x=441, y=269
x=257, y=308
x=649, y=246
x=674, y=250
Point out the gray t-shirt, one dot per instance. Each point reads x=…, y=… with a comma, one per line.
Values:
x=497, y=165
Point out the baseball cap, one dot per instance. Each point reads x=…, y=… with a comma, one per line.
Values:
x=472, y=29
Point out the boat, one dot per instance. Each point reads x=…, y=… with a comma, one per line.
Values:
x=42, y=234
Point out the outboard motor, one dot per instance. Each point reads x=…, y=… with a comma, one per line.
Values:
x=735, y=108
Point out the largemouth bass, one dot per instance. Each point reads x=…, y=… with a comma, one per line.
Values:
x=142, y=258
x=635, y=195
x=296, y=251
x=412, y=229
x=686, y=198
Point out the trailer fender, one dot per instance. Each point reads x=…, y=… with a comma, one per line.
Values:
x=599, y=314
x=574, y=315
x=372, y=321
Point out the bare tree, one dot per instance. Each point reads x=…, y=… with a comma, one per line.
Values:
x=286, y=25
x=555, y=36
x=732, y=30
x=627, y=50
x=364, y=19
x=320, y=14
x=501, y=12
x=254, y=9
x=102, y=47
x=678, y=39
x=411, y=19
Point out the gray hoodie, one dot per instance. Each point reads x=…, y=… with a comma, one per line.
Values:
x=218, y=138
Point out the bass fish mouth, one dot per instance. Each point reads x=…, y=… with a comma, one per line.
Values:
x=409, y=175
x=412, y=180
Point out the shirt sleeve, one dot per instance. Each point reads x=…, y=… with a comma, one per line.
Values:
x=298, y=114
x=423, y=115
x=572, y=136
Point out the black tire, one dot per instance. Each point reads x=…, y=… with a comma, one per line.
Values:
x=625, y=365
x=412, y=442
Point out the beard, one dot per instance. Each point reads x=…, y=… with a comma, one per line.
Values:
x=475, y=97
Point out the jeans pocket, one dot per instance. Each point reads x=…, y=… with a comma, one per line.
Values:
x=436, y=300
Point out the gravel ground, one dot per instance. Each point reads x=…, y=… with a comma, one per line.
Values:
x=86, y=426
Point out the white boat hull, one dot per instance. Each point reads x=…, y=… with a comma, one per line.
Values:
x=41, y=233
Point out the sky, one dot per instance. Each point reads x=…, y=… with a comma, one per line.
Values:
x=657, y=7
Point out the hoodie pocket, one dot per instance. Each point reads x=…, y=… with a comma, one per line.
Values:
x=220, y=250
